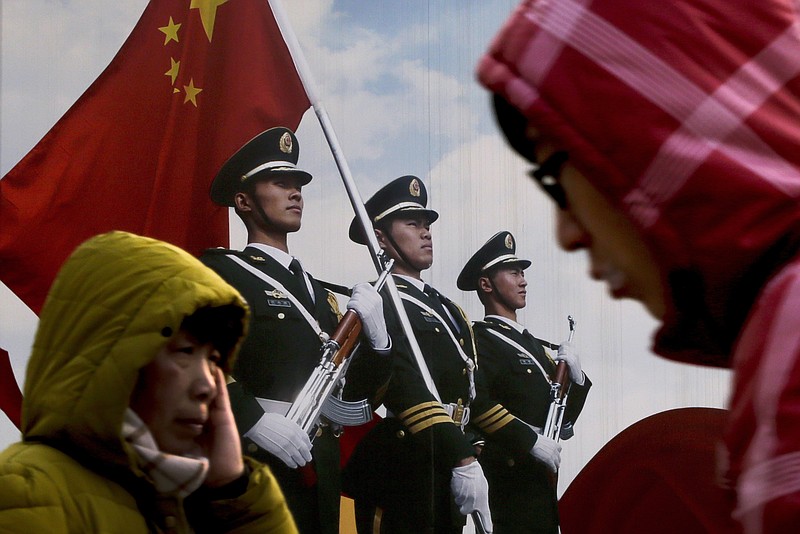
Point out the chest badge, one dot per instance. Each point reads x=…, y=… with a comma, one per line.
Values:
x=276, y=294
x=277, y=299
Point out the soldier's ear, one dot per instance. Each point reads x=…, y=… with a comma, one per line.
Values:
x=485, y=285
x=241, y=201
x=381, y=237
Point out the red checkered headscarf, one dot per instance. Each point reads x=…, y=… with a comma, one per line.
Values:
x=685, y=114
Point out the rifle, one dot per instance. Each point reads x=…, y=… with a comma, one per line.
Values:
x=559, y=391
x=320, y=394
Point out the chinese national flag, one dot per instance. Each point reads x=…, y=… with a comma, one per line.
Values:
x=194, y=81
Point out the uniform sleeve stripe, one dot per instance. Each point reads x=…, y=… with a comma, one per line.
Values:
x=494, y=427
x=431, y=412
x=418, y=407
x=494, y=411
x=427, y=423
x=492, y=420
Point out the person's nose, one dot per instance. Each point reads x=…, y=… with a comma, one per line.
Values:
x=204, y=386
x=296, y=193
x=570, y=234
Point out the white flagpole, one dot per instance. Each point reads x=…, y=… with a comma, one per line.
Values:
x=344, y=170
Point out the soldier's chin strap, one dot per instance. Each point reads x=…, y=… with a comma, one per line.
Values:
x=384, y=228
x=250, y=190
x=500, y=298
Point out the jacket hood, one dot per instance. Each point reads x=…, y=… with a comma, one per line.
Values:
x=700, y=150
x=114, y=304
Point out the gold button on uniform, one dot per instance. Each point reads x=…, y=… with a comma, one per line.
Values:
x=281, y=315
x=528, y=371
x=401, y=434
x=461, y=341
x=510, y=462
x=252, y=447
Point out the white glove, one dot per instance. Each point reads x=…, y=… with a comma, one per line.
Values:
x=568, y=353
x=548, y=452
x=471, y=491
x=281, y=438
x=367, y=303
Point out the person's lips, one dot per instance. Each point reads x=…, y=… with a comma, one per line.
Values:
x=615, y=279
x=193, y=424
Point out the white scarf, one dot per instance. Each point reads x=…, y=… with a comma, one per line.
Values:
x=170, y=474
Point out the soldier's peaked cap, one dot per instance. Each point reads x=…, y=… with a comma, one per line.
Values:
x=500, y=249
x=270, y=153
x=402, y=196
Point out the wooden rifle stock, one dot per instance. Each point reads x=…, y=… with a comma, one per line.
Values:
x=559, y=390
x=562, y=378
x=321, y=386
x=346, y=336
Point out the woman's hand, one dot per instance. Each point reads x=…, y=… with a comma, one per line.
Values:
x=220, y=439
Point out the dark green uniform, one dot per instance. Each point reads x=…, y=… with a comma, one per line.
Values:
x=522, y=492
x=401, y=469
x=278, y=355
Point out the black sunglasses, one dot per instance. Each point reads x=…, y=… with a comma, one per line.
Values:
x=546, y=175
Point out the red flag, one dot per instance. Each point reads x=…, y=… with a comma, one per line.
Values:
x=10, y=396
x=193, y=82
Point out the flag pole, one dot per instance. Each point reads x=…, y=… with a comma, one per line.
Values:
x=307, y=79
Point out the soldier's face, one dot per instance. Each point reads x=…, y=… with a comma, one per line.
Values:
x=510, y=285
x=281, y=199
x=412, y=235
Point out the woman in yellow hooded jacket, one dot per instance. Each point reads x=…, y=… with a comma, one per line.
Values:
x=126, y=424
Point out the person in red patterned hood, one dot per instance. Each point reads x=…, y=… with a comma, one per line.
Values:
x=668, y=132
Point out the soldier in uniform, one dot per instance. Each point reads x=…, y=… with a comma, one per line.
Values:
x=291, y=311
x=417, y=471
x=516, y=369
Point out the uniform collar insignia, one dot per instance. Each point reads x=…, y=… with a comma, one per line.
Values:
x=276, y=294
x=259, y=259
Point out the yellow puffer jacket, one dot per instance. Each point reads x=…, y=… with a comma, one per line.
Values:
x=102, y=322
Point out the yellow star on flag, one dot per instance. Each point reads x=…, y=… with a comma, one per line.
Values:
x=208, y=13
x=191, y=92
x=175, y=66
x=170, y=31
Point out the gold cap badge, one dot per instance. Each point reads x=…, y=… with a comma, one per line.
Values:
x=413, y=188
x=285, y=143
x=509, y=242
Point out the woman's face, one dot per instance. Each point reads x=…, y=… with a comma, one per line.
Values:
x=617, y=251
x=174, y=393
